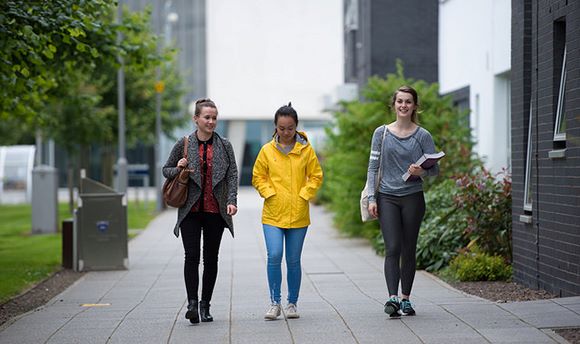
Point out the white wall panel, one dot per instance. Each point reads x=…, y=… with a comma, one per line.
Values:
x=474, y=50
x=263, y=53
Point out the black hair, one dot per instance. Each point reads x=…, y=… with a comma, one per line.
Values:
x=285, y=111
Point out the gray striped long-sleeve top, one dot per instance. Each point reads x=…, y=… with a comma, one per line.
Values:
x=397, y=154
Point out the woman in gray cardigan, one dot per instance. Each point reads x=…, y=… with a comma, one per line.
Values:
x=211, y=203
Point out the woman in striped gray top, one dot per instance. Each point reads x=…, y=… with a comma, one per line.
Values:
x=399, y=204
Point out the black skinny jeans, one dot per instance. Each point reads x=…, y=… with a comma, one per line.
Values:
x=400, y=218
x=212, y=226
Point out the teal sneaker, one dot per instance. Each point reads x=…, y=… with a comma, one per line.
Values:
x=392, y=307
x=407, y=307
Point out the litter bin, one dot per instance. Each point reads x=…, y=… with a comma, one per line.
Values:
x=67, y=243
x=100, y=228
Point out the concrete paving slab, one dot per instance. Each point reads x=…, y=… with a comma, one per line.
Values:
x=522, y=335
x=543, y=313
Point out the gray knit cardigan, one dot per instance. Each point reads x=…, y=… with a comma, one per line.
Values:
x=224, y=176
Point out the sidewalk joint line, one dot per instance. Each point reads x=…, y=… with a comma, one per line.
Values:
x=175, y=321
x=466, y=323
x=63, y=325
x=138, y=303
x=325, y=273
x=529, y=324
x=84, y=309
x=334, y=308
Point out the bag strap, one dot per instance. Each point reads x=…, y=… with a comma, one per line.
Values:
x=185, y=144
x=378, y=183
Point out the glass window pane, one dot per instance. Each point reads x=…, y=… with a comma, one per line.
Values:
x=562, y=107
x=528, y=181
x=560, y=122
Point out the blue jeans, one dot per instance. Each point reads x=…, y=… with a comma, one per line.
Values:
x=294, y=238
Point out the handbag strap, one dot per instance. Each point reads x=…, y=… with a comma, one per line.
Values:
x=378, y=183
x=185, y=144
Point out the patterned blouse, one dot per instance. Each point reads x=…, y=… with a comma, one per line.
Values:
x=207, y=202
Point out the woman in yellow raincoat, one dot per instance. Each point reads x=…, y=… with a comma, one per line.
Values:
x=287, y=175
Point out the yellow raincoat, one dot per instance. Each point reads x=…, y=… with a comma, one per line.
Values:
x=287, y=182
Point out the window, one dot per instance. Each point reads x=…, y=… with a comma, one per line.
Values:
x=351, y=29
x=560, y=121
x=502, y=121
x=460, y=100
x=528, y=176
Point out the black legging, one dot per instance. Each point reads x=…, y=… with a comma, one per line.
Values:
x=400, y=219
x=212, y=226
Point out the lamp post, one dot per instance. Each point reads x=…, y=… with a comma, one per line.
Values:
x=122, y=162
x=167, y=18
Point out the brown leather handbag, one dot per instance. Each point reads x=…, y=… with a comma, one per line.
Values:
x=175, y=190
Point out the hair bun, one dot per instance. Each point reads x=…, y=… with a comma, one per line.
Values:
x=203, y=100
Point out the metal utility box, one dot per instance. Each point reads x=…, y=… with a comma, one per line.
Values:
x=100, y=229
x=44, y=200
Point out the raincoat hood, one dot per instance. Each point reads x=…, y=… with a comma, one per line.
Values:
x=301, y=141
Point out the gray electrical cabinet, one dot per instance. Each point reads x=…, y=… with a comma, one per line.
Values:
x=44, y=200
x=100, y=229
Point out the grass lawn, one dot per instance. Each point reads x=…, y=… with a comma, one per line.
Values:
x=27, y=259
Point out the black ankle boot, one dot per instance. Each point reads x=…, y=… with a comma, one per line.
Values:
x=192, y=312
x=204, y=310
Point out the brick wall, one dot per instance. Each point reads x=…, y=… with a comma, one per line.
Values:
x=391, y=30
x=547, y=251
x=406, y=30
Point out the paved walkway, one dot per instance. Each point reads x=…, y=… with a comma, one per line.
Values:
x=341, y=301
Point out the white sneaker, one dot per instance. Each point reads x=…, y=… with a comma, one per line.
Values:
x=273, y=312
x=291, y=312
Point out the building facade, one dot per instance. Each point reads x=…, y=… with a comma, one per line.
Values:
x=474, y=68
x=378, y=33
x=180, y=24
x=545, y=130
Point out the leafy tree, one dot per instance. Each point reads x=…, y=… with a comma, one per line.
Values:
x=60, y=64
x=95, y=98
x=348, y=146
x=42, y=40
x=60, y=75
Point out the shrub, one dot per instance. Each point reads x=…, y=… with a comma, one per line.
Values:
x=442, y=232
x=479, y=266
x=486, y=199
